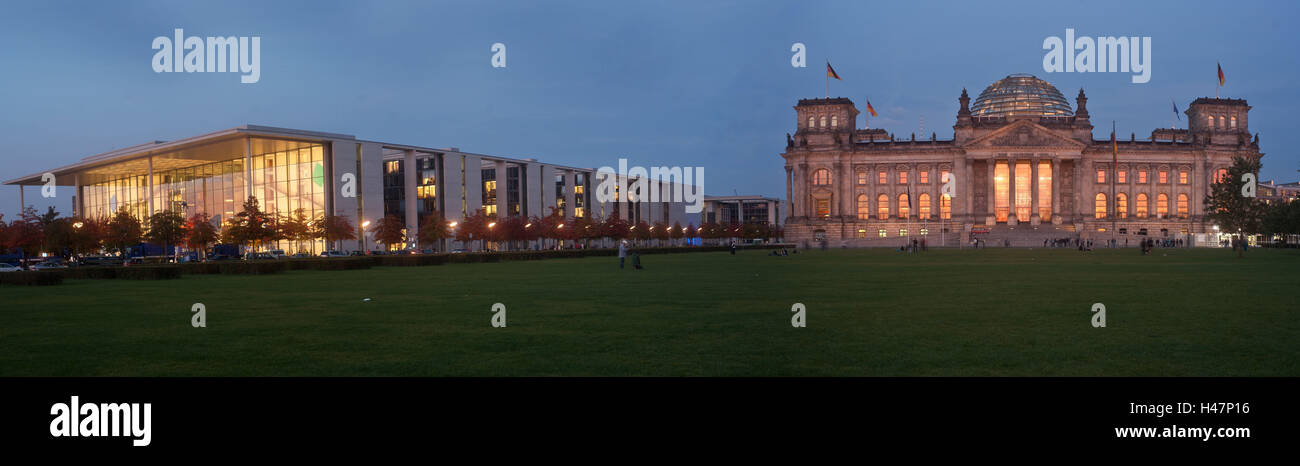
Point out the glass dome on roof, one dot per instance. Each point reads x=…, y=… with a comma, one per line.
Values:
x=1021, y=94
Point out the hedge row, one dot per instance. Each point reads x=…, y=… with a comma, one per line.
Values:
x=31, y=278
x=265, y=267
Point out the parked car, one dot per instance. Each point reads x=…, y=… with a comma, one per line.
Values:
x=357, y=253
x=8, y=268
x=458, y=251
x=220, y=257
x=379, y=252
x=133, y=261
x=301, y=255
x=276, y=254
x=333, y=254
x=48, y=265
x=258, y=256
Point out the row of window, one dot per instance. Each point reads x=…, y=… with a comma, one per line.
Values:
x=883, y=210
x=822, y=177
x=1162, y=176
x=1228, y=123
x=883, y=233
x=1141, y=205
x=835, y=121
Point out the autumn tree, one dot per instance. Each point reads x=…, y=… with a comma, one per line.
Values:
x=123, y=230
x=333, y=229
x=676, y=233
x=434, y=230
x=200, y=232
x=26, y=233
x=390, y=231
x=166, y=228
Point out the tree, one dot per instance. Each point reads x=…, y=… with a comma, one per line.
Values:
x=549, y=227
x=1282, y=218
x=434, y=229
x=87, y=235
x=200, y=232
x=59, y=236
x=26, y=233
x=1228, y=208
x=167, y=228
x=249, y=227
x=333, y=228
x=691, y=232
x=677, y=233
x=583, y=229
x=390, y=231
x=641, y=232
x=472, y=227
x=123, y=231
x=296, y=228
x=614, y=228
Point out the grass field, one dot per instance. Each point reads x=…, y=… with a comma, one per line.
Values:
x=991, y=312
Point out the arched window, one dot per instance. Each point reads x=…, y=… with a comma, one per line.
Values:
x=823, y=208
x=882, y=207
x=1221, y=175
x=1209, y=121
x=812, y=122
x=1233, y=122
x=945, y=206
x=864, y=210
x=821, y=177
x=923, y=202
x=1182, y=206
x=1121, y=205
x=1142, y=205
x=835, y=121
x=904, y=206
x=823, y=121
x=1221, y=122
x=1162, y=205
x=1101, y=205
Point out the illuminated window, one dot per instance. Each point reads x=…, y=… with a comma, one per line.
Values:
x=862, y=178
x=1121, y=200
x=904, y=206
x=1233, y=123
x=943, y=176
x=925, y=231
x=823, y=208
x=1182, y=177
x=1162, y=205
x=823, y=121
x=923, y=203
x=1142, y=205
x=882, y=178
x=812, y=122
x=821, y=177
x=864, y=210
x=945, y=207
x=1045, y=190
x=1209, y=121
x=1221, y=175
x=1221, y=122
x=1182, y=206
x=1100, y=206
x=862, y=233
x=882, y=207
x=1164, y=177
x=1121, y=177
x=1101, y=176
x=883, y=234
x=902, y=232
x=1024, y=191
x=1142, y=176
x=902, y=177
x=924, y=176
x=835, y=121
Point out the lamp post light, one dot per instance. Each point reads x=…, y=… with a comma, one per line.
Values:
x=364, y=225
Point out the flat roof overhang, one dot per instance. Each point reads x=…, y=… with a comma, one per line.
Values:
x=200, y=149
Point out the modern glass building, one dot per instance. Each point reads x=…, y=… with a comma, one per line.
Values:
x=296, y=172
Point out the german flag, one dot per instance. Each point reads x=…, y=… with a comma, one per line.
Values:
x=1215, y=64
x=830, y=72
x=870, y=109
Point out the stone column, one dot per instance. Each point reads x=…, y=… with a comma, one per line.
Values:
x=1056, y=186
x=1033, y=188
x=789, y=190
x=1011, y=190
x=991, y=188
x=503, y=190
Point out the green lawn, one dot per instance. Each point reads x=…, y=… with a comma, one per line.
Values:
x=870, y=312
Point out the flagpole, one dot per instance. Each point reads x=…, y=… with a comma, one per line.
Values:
x=828, y=81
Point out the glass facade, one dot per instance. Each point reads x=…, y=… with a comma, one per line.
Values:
x=284, y=176
x=1021, y=94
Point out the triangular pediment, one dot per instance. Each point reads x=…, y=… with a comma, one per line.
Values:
x=1024, y=133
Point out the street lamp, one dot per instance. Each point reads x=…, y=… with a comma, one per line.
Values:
x=364, y=225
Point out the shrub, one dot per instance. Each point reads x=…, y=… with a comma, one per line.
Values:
x=32, y=278
x=159, y=272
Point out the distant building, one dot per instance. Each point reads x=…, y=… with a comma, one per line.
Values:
x=1271, y=192
x=741, y=210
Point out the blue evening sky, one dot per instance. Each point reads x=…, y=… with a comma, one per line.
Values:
x=692, y=83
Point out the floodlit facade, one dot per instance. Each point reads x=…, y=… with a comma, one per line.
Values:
x=1024, y=166
x=315, y=173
